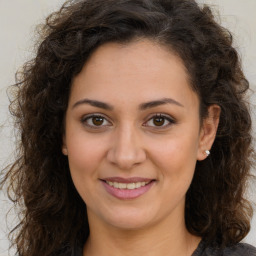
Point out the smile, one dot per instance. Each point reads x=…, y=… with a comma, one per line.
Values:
x=127, y=185
x=127, y=188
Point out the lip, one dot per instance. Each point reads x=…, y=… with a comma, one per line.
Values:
x=126, y=194
x=127, y=180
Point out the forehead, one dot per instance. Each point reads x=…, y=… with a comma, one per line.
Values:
x=141, y=69
x=141, y=54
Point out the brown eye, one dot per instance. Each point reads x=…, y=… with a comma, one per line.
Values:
x=95, y=121
x=158, y=121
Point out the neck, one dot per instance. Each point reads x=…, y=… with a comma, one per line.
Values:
x=170, y=239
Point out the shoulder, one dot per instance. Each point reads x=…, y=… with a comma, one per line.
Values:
x=240, y=249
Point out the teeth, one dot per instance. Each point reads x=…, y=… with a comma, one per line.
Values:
x=121, y=185
x=127, y=185
x=131, y=186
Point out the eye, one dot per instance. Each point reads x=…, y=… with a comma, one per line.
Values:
x=160, y=120
x=95, y=121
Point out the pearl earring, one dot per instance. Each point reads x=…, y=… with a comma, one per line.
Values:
x=207, y=152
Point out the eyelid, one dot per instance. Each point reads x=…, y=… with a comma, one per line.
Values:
x=88, y=116
x=170, y=119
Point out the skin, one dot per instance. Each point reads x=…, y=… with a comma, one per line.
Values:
x=128, y=142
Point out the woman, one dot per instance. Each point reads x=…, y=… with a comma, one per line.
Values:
x=135, y=134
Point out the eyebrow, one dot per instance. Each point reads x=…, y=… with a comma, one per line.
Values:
x=155, y=103
x=143, y=106
x=94, y=103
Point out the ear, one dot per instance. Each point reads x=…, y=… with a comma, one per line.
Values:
x=64, y=147
x=208, y=131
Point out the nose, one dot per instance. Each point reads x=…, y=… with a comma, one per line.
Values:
x=126, y=149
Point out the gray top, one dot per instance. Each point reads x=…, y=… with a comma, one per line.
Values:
x=240, y=249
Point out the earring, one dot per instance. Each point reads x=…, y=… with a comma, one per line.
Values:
x=207, y=152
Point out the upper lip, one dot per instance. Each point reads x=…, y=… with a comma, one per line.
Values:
x=127, y=180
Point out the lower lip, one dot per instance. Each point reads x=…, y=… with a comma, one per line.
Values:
x=127, y=193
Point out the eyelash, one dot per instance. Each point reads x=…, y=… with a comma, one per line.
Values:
x=85, y=119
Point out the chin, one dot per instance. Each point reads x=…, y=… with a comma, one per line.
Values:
x=132, y=224
x=129, y=220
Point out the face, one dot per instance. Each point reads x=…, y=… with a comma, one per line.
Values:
x=133, y=135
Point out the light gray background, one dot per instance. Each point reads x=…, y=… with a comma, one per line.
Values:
x=17, y=24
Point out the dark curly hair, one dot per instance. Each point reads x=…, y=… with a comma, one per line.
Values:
x=53, y=214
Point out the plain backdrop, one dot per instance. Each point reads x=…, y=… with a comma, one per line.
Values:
x=18, y=19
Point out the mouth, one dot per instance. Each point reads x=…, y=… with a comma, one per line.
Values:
x=130, y=188
x=133, y=185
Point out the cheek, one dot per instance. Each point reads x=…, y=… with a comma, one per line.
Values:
x=177, y=164
x=176, y=158
x=84, y=155
x=175, y=152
